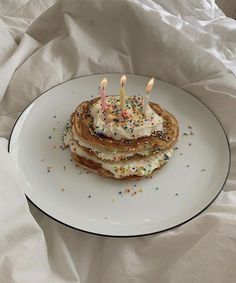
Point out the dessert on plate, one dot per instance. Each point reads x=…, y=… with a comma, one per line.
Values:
x=121, y=137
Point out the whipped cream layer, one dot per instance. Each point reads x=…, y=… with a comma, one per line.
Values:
x=129, y=123
x=140, y=168
x=122, y=169
x=72, y=140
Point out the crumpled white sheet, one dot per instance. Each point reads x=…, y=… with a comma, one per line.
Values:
x=188, y=43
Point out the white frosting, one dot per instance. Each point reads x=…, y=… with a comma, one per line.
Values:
x=132, y=125
x=142, y=167
x=69, y=139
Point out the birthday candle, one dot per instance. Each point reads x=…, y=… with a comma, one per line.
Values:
x=122, y=91
x=103, y=94
x=146, y=97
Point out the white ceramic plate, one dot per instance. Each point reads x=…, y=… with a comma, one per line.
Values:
x=178, y=192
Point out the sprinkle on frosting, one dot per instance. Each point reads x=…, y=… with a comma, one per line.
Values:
x=127, y=123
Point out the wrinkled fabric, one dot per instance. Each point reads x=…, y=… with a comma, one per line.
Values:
x=19, y=14
x=190, y=44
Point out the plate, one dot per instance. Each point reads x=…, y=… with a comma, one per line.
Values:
x=82, y=200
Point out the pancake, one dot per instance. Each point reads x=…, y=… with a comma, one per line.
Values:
x=121, y=169
x=106, y=155
x=82, y=122
x=127, y=156
x=98, y=169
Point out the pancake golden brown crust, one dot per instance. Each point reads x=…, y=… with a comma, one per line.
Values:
x=97, y=168
x=82, y=122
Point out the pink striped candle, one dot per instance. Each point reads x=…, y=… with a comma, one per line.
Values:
x=103, y=94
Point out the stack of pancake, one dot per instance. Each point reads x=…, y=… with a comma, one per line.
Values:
x=121, y=143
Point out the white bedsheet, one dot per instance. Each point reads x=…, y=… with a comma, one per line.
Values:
x=189, y=43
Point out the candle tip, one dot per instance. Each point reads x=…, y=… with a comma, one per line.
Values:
x=150, y=85
x=123, y=80
x=104, y=83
